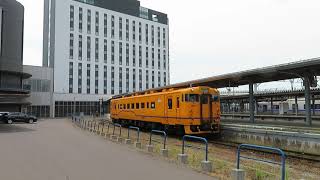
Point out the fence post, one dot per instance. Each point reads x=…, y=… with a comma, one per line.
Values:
x=206, y=165
x=128, y=140
x=239, y=174
x=164, y=151
x=113, y=136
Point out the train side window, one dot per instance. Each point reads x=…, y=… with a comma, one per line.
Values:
x=147, y=105
x=142, y=105
x=124, y=106
x=132, y=106
x=169, y=103
x=137, y=105
x=153, y=105
x=192, y=97
x=128, y=106
x=178, y=102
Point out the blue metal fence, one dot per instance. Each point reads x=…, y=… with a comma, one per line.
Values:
x=159, y=132
x=263, y=148
x=114, y=127
x=138, y=132
x=195, y=138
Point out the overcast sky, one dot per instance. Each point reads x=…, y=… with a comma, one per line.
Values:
x=211, y=37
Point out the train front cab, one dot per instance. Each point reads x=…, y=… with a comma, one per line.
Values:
x=202, y=104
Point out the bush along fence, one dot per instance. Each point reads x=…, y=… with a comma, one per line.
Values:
x=114, y=132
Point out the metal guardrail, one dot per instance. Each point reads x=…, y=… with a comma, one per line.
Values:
x=195, y=138
x=159, y=132
x=138, y=132
x=255, y=147
x=114, y=128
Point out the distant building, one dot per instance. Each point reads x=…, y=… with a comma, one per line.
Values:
x=100, y=48
x=12, y=92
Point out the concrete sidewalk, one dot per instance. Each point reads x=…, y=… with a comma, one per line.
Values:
x=54, y=150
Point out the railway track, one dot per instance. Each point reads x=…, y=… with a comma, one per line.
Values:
x=290, y=154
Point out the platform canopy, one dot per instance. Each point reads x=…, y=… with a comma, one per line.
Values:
x=300, y=69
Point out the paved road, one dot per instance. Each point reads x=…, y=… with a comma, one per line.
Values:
x=54, y=150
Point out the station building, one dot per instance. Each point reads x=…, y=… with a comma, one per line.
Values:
x=13, y=95
x=95, y=49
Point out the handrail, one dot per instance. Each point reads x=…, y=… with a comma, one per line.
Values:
x=195, y=138
x=256, y=147
x=138, y=132
x=159, y=132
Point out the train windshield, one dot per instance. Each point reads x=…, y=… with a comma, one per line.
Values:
x=192, y=97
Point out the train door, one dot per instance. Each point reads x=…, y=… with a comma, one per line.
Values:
x=205, y=107
x=178, y=108
x=170, y=110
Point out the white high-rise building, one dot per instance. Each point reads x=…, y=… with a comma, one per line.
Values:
x=101, y=48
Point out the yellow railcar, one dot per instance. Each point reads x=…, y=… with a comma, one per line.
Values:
x=194, y=110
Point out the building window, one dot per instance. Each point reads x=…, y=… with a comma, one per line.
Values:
x=105, y=80
x=152, y=79
x=112, y=80
x=159, y=79
x=127, y=54
x=120, y=80
x=159, y=40
x=147, y=57
x=88, y=78
x=80, y=20
x=140, y=80
x=140, y=32
x=71, y=77
x=134, y=80
x=71, y=18
x=120, y=28
x=152, y=35
x=88, y=48
x=89, y=21
x=71, y=44
x=96, y=84
x=127, y=79
x=97, y=50
x=97, y=23
x=164, y=37
x=147, y=79
x=133, y=55
x=120, y=53
x=164, y=78
x=140, y=56
x=112, y=52
x=164, y=60
x=112, y=26
x=133, y=31
x=105, y=51
x=152, y=56
x=80, y=48
x=159, y=59
x=79, y=78
x=105, y=25
x=147, y=34
x=127, y=29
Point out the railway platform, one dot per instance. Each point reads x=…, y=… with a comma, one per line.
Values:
x=292, y=137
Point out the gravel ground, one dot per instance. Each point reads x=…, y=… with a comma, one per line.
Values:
x=55, y=150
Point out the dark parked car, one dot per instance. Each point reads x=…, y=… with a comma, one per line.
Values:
x=19, y=117
x=3, y=116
